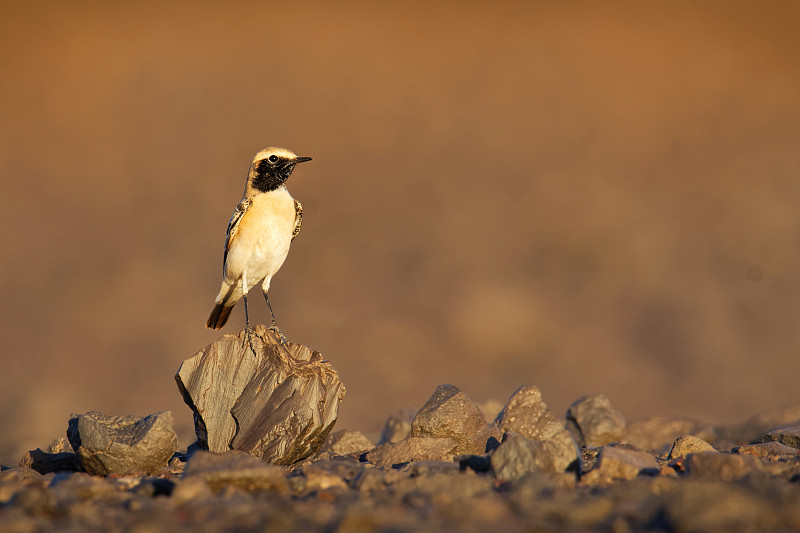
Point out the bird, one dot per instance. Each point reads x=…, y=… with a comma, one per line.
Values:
x=262, y=227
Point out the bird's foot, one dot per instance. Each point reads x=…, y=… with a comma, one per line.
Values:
x=248, y=338
x=274, y=328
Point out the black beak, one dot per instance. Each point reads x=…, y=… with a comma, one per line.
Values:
x=301, y=159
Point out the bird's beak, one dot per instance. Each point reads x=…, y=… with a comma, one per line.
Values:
x=301, y=159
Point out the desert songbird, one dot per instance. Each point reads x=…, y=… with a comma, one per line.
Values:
x=260, y=231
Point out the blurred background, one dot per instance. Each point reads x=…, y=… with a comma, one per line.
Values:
x=585, y=196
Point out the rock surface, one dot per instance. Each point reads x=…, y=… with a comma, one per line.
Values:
x=593, y=422
x=451, y=414
x=517, y=456
x=347, y=441
x=250, y=392
x=122, y=445
x=687, y=444
x=617, y=462
x=420, y=484
x=527, y=414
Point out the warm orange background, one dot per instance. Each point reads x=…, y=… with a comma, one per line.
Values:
x=589, y=197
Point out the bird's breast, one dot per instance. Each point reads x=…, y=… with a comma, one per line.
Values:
x=264, y=234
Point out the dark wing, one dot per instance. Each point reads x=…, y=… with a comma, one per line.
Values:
x=233, y=226
x=298, y=218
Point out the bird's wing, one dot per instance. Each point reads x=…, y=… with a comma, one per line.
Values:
x=233, y=226
x=298, y=218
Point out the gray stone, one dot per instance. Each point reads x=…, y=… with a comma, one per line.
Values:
x=235, y=469
x=451, y=414
x=687, y=444
x=412, y=449
x=721, y=466
x=768, y=450
x=526, y=413
x=250, y=392
x=347, y=441
x=122, y=444
x=397, y=426
x=790, y=436
x=619, y=462
x=594, y=422
x=517, y=456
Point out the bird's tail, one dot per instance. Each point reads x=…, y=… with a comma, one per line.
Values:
x=219, y=315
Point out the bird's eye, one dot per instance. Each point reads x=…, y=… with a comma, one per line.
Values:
x=273, y=159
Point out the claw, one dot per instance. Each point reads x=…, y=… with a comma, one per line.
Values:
x=274, y=328
x=249, y=332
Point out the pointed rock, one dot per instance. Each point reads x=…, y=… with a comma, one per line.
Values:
x=526, y=413
x=594, y=422
x=250, y=392
x=451, y=414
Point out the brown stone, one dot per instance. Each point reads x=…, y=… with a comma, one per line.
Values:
x=617, y=462
x=251, y=392
x=790, y=436
x=768, y=450
x=236, y=469
x=451, y=414
x=720, y=466
x=347, y=441
x=687, y=444
x=594, y=422
x=412, y=449
x=527, y=414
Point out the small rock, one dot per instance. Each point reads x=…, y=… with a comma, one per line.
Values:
x=517, y=456
x=594, y=422
x=412, y=449
x=588, y=459
x=45, y=463
x=122, y=444
x=658, y=433
x=346, y=441
x=526, y=413
x=768, y=450
x=619, y=462
x=721, y=466
x=397, y=426
x=687, y=444
x=60, y=445
x=790, y=436
x=314, y=478
x=451, y=414
x=236, y=469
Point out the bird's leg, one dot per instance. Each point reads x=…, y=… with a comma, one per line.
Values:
x=247, y=329
x=274, y=326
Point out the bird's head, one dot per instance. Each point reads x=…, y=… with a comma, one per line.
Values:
x=271, y=168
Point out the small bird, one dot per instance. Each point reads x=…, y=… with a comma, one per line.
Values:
x=260, y=231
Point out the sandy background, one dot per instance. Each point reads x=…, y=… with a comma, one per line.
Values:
x=588, y=197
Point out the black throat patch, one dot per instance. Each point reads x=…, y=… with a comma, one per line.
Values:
x=270, y=176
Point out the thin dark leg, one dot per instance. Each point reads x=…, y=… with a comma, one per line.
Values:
x=271, y=314
x=246, y=316
x=247, y=326
x=274, y=326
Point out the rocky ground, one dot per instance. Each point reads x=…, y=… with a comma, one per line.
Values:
x=443, y=468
